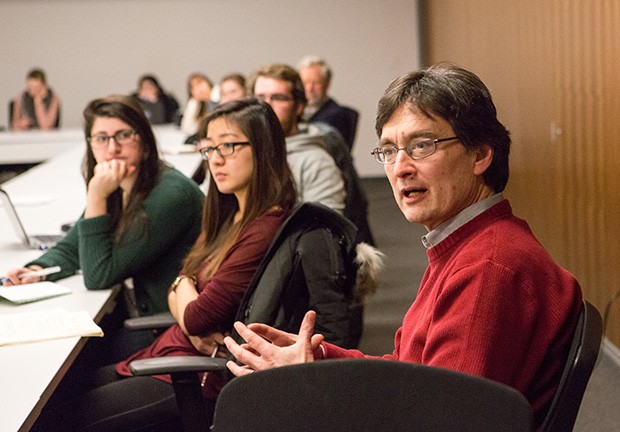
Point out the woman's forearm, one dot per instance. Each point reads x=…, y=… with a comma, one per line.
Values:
x=178, y=299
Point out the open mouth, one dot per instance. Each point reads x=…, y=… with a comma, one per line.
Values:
x=409, y=193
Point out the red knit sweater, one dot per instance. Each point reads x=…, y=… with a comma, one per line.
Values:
x=492, y=303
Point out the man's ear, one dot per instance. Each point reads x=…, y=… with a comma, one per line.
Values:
x=484, y=157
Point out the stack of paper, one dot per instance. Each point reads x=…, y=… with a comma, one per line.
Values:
x=44, y=325
x=26, y=293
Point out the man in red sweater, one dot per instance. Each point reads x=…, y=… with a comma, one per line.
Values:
x=492, y=301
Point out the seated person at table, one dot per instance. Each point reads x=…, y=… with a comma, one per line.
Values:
x=310, y=147
x=141, y=217
x=316, y=76
x=492, y=302
x=38, y=107
x=159, y=106
x=253, y=192
x=199, y=88
x=317, y=178
x=232, y=87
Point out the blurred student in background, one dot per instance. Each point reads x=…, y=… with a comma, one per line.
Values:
x=37, y=107
x=159, y=106
x=232, y=87
x=199, y=88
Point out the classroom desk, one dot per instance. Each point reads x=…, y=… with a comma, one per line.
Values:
x=35, y=146
x=31, y=147
x=47, y=196
x=31, y=372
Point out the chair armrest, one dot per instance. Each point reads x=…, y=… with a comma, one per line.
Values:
x=158, y=321
x=168, y=365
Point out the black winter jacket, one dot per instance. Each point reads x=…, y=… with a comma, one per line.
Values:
x=309, y=265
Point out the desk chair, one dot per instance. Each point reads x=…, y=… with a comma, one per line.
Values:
x=311, y=231
x=369, y=395
x=10, y=113
x=352, y=117
x=579, y=365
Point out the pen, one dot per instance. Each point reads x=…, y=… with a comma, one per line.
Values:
x=36, y=273
x=206, y=374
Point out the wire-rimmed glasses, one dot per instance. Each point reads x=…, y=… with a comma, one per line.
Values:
x=417, y=149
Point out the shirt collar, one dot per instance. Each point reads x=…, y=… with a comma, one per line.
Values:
x=440, y=233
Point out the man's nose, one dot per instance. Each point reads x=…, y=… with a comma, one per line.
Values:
x=403, y=163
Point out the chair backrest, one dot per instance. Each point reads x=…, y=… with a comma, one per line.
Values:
x=369, y=395
x=10, y=113
x=352, y=117
x=581, y=359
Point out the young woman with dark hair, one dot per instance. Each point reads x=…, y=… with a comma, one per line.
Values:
x=141, y=216
x=251, y=195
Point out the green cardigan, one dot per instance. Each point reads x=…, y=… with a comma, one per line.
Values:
x=151, y=251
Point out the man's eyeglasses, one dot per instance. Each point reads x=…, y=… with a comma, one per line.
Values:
x=276, y=97
x=416, y=149
x=122, y=137
x=224, y=149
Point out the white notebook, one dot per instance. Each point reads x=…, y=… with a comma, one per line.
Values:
x=27, y=293
x=50, y=324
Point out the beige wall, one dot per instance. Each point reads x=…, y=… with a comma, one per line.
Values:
x=91, y=48
x=552, y=67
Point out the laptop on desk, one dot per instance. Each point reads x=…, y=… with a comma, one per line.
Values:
x=39, y=241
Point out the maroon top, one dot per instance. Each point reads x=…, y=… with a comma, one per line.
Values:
x=218, y=299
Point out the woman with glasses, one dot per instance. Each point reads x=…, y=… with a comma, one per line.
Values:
x=141, y=216
x=251, y=195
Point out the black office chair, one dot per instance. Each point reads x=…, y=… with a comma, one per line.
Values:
x=10, y=113
x=311, y=231
x=369, y=395
x=581, y=359
x=352, y=117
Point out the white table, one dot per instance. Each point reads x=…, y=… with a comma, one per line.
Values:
x=47, y=196
x=29, y=147
x=30, y=373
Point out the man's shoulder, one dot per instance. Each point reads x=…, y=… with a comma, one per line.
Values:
x=330, y=108
x=307, y=138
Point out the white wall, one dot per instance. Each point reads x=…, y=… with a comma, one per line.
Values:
x=91, y=48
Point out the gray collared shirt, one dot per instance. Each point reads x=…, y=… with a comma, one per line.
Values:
x=439, y=234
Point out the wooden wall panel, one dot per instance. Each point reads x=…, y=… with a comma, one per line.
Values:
x=553, y=69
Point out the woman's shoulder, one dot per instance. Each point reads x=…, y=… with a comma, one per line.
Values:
x=269, y=221
x=174, y=182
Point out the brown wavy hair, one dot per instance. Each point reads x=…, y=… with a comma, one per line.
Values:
x=127, y=109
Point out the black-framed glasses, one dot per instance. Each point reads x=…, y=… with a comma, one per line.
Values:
x=122, y=137
x=224, y=149
x=418, y=148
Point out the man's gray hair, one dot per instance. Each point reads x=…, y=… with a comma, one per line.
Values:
x=314, y=60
